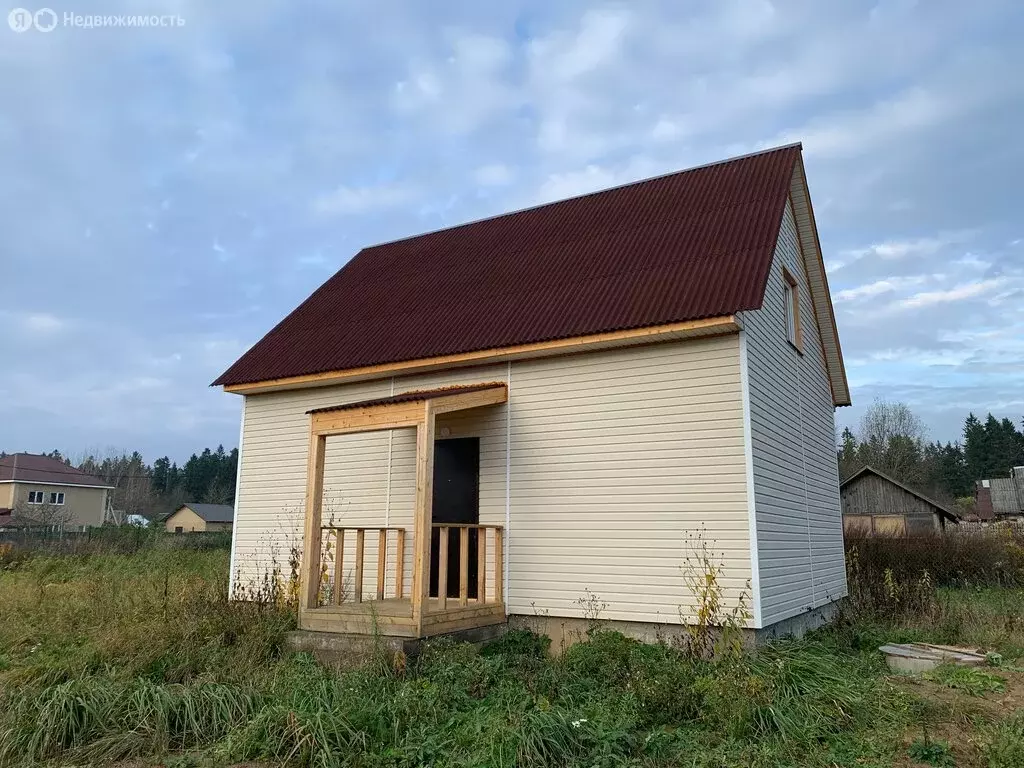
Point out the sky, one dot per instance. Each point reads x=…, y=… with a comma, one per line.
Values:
x=168, y=193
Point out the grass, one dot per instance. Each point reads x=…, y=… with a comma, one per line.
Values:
x=1003, y=743
x=974, y=682
x=137, y=656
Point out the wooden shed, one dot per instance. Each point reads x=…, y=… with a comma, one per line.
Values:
x=876, y=504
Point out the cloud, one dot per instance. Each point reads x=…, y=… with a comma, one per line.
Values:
x=877, y=288
x=959, y=293
x=262, y=147
x=493, y=175
x=850, y=132
x=42, y=323
x=354, y=201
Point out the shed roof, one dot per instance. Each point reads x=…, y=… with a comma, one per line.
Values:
x=683, y=247
x=942, y=509
x=413, y=396
x=212, y=513
x=1007, y=495
x=33, y=468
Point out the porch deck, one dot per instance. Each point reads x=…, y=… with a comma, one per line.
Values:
x=412, y=596
x=393, y=617
x=340, y=606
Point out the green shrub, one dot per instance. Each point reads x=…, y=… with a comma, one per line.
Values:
x=519, y=642
x=992, y=557
x=1002, y=744
x=935, y=753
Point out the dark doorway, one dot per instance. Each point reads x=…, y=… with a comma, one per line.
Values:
x=456, y=501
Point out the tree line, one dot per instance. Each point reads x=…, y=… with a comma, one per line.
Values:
x=892, y=439
x=157, y=489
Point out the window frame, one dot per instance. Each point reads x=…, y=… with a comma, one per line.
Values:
x=791, y=299
x=56, y=498
x=36, y=497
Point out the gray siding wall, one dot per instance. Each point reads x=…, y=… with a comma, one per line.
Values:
x=798, y=516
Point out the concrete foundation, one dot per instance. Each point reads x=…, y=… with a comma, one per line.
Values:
x=565, y=632
x=350, y=651
x=798, y=626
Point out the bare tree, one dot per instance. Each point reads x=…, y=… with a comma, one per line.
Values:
x=892, y=440
x=44, y=515
x=132, y=492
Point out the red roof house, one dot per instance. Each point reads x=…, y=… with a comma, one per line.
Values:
x=500, y=418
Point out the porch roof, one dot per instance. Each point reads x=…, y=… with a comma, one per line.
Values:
x=413, y=396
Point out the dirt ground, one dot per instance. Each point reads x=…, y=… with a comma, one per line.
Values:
x=953, y=715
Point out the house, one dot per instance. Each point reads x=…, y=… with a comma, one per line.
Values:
x=1001, y=498
x=40, y=491
x=542, y=415
x=191, y=518
x=876, y=504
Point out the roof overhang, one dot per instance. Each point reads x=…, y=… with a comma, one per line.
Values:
x=21, y=481
x=408, y=409
x=810, y=246
x=711, y=326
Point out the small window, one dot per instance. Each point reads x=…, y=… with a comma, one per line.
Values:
x=56, y=498
x=35, y=497
x=178, y=529
x=791, y=297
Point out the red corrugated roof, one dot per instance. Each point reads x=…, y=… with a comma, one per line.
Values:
x=414, y=396
x=686, y=246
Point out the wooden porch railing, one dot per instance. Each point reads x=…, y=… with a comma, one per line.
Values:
x=464, y=531
x=340, y=534
x=487, y=538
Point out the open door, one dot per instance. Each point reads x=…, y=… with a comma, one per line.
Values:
x=456, y=501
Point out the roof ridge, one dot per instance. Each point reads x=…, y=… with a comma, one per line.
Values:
x=581, y=196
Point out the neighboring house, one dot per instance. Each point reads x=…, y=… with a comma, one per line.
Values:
x=190, y=518
x=540, y=415
x=876, y=504
x=1001, y=498
x=46, y=492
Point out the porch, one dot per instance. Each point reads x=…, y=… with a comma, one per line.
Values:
x=430, y=579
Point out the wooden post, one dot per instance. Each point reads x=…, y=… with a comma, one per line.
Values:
x=382, y=559
x=400, y=573
x=481, y=566
x=442, y=569
x=499, y=565
x=360, y=547
x=339, y=561
x=464, y=565
x=309, y=591
x=423, y=516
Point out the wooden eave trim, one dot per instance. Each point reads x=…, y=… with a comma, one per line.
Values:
x=402, y=415
x=799, y=182
x=573, y=345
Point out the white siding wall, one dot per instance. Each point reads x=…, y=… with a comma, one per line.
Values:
x=796, y=482
x=616, y=456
